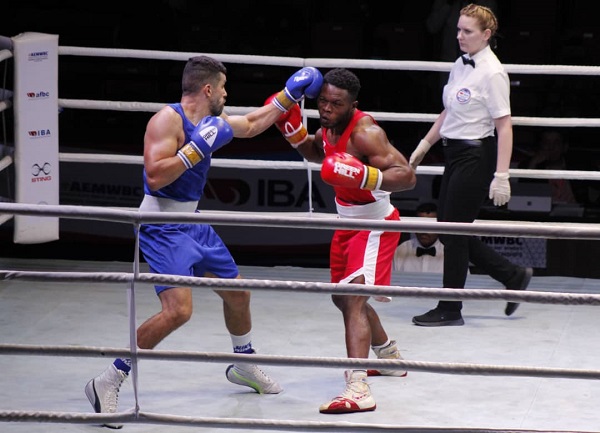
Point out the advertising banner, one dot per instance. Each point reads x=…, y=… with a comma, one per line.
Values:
x=36, y=133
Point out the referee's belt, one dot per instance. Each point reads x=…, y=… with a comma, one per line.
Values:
x=465, y=143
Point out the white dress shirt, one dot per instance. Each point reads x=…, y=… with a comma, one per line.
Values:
x=406, y=260
x=475, y=96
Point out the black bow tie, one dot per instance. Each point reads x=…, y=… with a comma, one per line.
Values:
x=430, y=251
x=467, y=61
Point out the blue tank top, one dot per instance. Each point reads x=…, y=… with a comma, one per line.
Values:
x=190, y=185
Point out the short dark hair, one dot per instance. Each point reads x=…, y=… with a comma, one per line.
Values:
x=427, y=207
x=198, y=71
x=343, y=79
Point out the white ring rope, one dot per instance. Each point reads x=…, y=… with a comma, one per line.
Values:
x=316, y=221
x=467, y=369
x=5, y=105
x=242, y=423
x=6, y=162
x=308, y=287
x=321, y=62
x=216, y=162
x=296, y=62
x=87, y=104
x=5, y=54
x=101, y=158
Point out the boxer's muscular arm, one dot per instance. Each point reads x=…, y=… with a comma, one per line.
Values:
x=162, y=139
x=304, y=82
x=165, y=160
x=253, y=123
x=370, y=144
x=312, y=148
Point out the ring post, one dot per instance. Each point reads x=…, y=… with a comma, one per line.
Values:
x=36, y=133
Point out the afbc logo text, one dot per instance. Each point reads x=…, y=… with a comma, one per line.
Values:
x=38, y=95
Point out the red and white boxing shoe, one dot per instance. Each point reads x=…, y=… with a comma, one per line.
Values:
x=355, y=398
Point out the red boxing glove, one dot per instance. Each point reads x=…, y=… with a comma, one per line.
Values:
x=343, y=169
x=290, y=124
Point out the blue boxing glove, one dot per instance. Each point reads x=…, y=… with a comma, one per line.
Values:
x=305, y=82
x=211, y=134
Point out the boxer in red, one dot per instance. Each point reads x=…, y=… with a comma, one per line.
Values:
x=364, y=168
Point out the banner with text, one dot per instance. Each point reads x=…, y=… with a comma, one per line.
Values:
x=36, y=133
x=528, y=252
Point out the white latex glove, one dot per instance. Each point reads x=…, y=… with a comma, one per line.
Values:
x=419, y=153
x=500, y=189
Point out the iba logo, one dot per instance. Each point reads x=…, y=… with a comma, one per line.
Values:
x=40, y=133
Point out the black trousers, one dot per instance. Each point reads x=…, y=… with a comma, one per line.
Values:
x=468, y=173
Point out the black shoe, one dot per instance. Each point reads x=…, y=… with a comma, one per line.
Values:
x=511, y=307
x=437, y=317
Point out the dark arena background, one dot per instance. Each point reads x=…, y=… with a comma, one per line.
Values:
x=531, y=32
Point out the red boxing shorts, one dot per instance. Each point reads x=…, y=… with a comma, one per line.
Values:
x=363, y=252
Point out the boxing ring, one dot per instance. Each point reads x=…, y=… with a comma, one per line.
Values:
x=53, y=346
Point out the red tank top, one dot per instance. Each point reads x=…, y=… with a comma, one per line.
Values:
x=342, y=194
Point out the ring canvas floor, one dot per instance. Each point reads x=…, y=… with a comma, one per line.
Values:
x=286, y=323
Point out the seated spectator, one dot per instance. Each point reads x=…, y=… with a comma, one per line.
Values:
x=423, y=252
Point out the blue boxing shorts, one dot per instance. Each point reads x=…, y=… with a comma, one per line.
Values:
x=189, y=250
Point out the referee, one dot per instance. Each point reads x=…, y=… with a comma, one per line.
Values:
x=475, y=128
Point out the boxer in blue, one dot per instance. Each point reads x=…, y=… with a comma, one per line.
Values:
x=178, y=144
